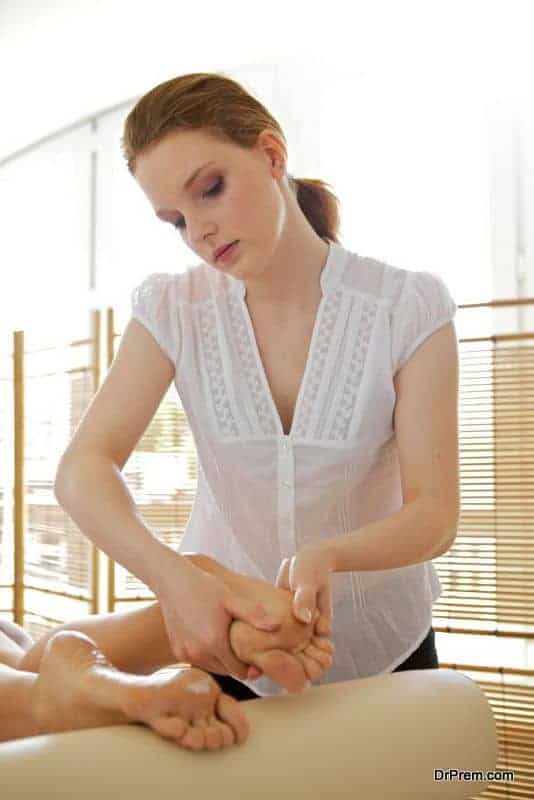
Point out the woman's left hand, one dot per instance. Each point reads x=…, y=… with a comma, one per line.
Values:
x=307, y=574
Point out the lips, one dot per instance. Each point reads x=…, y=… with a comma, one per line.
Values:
x=221, y=250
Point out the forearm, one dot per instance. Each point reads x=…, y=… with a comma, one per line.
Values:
x=135, y=640
x=93, y=492
x=409, y=536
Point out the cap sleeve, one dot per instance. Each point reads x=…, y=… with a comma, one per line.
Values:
x=425, y=304
x=154, y=304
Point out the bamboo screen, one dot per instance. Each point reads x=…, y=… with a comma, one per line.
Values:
x=486, y=575
x=50, y=573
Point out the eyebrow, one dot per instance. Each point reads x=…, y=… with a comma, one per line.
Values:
x=186, y=185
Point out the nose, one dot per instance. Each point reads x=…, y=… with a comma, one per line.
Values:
x=202, y=236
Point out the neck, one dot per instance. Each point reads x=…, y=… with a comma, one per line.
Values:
x=291, y=282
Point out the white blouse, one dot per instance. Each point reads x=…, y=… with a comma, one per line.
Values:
x=262, y=495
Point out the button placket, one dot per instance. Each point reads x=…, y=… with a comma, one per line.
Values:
x=286, y=497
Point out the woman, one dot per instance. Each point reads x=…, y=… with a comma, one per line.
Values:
x=323, y=408
x=97, y=671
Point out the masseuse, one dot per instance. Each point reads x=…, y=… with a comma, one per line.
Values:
x=320, y=387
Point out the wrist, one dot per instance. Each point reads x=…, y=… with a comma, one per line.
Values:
x=163, y=567
x=328, y=551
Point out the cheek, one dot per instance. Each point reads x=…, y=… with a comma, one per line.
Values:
x=259, y=208
x=242, y=204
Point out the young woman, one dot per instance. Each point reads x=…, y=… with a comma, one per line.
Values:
x=320, y=386
x=101, y=670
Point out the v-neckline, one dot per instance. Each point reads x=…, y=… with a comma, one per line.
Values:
x=261, y=367
x=334, y=251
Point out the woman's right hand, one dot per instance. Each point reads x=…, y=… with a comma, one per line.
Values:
x=198, y=609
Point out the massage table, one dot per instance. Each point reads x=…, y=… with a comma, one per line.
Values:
x=393, y=735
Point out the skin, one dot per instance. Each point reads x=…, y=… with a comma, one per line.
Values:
x=77, y=687
x=70, y=680
x=280, y=256
x=136, y=640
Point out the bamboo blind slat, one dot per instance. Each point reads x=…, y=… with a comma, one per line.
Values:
x=486, y=576
x=511, y=699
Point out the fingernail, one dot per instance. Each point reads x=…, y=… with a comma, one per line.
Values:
x=305, y=614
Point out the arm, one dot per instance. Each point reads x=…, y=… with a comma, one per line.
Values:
x=93, y=492
x=426, y=428
x=411, y=535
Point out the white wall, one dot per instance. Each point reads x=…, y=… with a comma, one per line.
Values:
x=407, y=109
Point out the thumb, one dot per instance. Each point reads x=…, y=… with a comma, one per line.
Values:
x=304, y=603
x=250, y=611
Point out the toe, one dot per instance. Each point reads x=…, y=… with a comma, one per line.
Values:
x=312, y=669
x=321, y=656
x=284, y=668
x=230, y=712
x=228, y=736
x=169, y=727
x=214, y=736
x=194, y=738
x=323, y=643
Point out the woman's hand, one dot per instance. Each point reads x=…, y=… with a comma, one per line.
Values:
x=307, y=574
x=198, y=609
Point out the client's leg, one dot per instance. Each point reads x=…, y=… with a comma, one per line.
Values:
x=16, y=634
x=78, y=688
x=12, y=637
x=16, y=713
x=136, y=640
x=17, y=718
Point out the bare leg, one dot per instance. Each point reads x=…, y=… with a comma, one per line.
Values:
x=16, y=708
x=133, y=641
x=14, y=634
x=78, y=688
x=136, y=640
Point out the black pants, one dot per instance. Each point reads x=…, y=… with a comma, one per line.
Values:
x=425, y=657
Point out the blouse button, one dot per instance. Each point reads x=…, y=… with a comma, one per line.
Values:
x=286, y=484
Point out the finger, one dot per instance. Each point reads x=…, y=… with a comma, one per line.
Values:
x=250, y=611
x=324, y=604
x=282, y=580
x=210, y=663
x=304, y=603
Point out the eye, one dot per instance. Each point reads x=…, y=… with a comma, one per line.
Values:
x=215, y=190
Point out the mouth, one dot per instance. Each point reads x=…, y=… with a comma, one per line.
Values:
x=228, y=250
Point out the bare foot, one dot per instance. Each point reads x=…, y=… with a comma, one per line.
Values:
x=292, y=655
x=78, y=688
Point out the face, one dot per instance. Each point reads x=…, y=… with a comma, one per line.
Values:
x=239, y=195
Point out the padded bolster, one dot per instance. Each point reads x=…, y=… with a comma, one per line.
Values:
x=374, y=738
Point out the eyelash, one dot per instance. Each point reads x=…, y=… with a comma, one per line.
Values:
x=216, y=189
